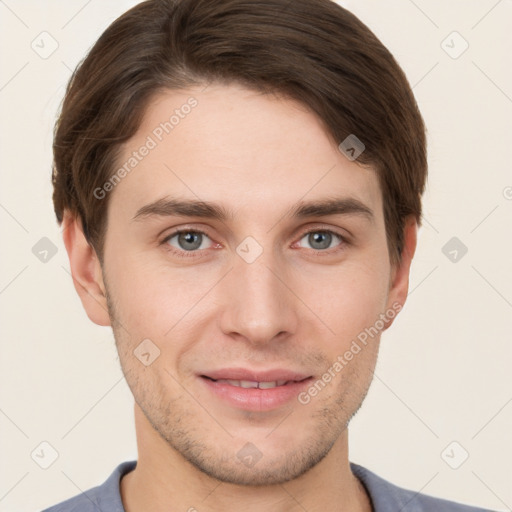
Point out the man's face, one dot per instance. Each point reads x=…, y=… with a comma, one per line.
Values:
x=254, y=292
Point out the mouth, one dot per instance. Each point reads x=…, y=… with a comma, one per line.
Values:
x=252, y=384
x=255, y=394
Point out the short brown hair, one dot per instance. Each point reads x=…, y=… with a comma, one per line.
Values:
x=313, y=51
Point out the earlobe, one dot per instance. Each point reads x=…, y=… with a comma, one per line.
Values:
x=85, y=270
x=399, y=284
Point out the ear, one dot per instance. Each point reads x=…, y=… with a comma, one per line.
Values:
x=399, y=282
x=85, y=270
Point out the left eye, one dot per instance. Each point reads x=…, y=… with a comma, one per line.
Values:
x=321, y=240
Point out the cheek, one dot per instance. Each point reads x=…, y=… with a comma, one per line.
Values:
x=348, y=299
x=141, y=296
x=151, y=299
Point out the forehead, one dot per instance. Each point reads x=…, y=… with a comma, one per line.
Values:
x=249, y=151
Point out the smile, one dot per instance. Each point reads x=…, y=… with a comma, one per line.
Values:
x=253, y=384
x=254, y=395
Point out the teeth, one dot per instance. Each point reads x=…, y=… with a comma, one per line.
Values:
x=246, y=384
x=253, y=384
x=267, y=385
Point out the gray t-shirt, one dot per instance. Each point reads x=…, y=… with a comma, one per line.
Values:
x=385, y=496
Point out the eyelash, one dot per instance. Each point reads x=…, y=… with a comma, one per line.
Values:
x=189, y=254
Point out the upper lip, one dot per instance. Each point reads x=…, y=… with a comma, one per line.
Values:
x=255, y=375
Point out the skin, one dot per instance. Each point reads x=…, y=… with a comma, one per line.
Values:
x=294, y=307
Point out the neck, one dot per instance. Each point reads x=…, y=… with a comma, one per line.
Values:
x=164, y=481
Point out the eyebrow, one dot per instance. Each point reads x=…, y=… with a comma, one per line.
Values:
x=166, y=207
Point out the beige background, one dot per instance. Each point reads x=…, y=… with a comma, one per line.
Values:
x=444, y=369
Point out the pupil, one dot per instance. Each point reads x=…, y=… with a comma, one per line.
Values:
x=317, y=238
x=190, y=238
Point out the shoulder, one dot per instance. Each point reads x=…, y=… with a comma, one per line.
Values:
x=387, y=497
x=106, y=496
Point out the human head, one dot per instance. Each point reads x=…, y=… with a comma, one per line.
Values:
x=333, y=64
x=263, y=126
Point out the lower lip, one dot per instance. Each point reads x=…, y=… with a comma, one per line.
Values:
x=255, y=399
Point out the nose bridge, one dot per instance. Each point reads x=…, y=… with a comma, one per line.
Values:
x=258, y=305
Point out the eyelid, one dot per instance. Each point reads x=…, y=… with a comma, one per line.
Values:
x=342, y=233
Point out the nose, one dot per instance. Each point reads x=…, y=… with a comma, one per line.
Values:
x=258, y=302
